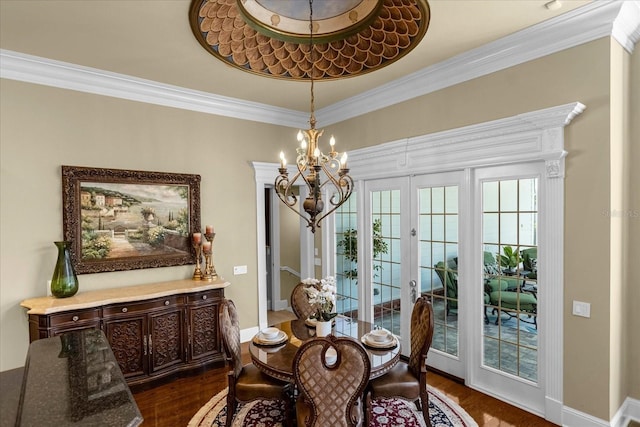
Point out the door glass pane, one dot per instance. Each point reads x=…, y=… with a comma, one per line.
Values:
x=439, y=256
x=346, y=258
x=386, y=259
x=509, y=235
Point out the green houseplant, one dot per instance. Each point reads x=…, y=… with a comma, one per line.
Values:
x=349, y=243
x=510, y=258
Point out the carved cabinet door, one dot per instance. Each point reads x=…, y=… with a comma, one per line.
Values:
x=128, y=339
x=202, y=314
x=166, y=343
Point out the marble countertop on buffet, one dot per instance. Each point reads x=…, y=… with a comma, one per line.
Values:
x=89, y=299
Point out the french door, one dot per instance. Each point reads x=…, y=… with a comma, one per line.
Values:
x=446, y=236
x=414, y=247
x=437, y=215
x=509, y=344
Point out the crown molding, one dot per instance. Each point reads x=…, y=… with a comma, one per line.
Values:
x=620, y=19
x=49, y=72
x=602, y=18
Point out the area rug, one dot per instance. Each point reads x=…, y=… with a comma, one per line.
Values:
x=385, y=413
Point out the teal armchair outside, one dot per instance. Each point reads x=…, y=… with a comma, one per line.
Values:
x=530, y=262
x=449, y=278
x=506, y=294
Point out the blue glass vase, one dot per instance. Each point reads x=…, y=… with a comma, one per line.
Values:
x=64, y=282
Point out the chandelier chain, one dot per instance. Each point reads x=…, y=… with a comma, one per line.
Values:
x=337, y=183
x=312, y=117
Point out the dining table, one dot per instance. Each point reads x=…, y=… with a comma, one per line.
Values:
x=276, y=360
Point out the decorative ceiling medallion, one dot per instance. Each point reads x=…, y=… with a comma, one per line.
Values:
x=271, y=37
x=289, y=20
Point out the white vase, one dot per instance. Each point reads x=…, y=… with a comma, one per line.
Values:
x=323, y=328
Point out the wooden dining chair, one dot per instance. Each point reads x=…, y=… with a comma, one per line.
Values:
x=300, y=302
x=409, y=380
x=331, y=391
x=247, y=383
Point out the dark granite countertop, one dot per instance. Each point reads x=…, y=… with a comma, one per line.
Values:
x=10, y=384
x=74, y=380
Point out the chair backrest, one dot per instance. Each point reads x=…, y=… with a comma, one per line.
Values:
x=529, y=258
x=421, y=333
x=300, y=302
x=332, y=391
x=490, y=264
x=449, y=279
x=230, y=329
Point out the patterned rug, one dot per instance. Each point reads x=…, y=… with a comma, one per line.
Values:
x=385, y=413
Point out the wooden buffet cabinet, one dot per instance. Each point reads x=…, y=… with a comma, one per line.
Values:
x=154, y=330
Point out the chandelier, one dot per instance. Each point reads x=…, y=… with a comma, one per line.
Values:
x=274, y=38
x=319, y=172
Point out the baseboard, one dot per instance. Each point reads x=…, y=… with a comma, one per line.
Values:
x=248, y=334
x=574, y=418
x=283, y=304
x=439, y=372
x=629, y=410
x=553, y=410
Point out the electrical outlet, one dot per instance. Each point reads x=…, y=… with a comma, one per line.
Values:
x=582, y=309
x=239, y=269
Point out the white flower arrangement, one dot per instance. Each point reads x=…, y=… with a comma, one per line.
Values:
x=322, y=295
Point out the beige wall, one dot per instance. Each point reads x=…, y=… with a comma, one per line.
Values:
x=289, y=250
x=43, y=128
x=633, y=273
x=619, y=143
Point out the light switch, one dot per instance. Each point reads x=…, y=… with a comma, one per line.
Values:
x=582, y=309
x=239, y=269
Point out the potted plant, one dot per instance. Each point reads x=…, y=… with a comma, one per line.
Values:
x=350, y=244
x=322, y=295
x=510, y=258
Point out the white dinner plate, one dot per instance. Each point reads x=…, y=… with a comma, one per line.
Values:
x=390, y=342
x=279, y=339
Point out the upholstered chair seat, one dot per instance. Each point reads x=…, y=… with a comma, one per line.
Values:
x=247, y=383
x=398, y=382
x=409, y=380
x=520, y=301
x=252, y=384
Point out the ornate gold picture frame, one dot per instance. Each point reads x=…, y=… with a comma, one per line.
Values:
x=126, y=219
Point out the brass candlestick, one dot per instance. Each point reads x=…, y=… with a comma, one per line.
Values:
x=197, y=274
x=210, y=271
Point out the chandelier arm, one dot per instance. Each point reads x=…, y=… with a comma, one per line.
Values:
x=283, y=190
x=347, y=193
x=331, y=178
x=309, y=223
x=344, y=189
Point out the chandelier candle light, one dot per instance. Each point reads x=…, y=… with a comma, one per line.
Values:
x=313, y=162
x=205, y=248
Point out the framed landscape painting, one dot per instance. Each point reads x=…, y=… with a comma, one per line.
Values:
x=125, y=219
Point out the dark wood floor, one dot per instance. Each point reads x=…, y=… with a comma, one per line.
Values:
x=173, y=404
